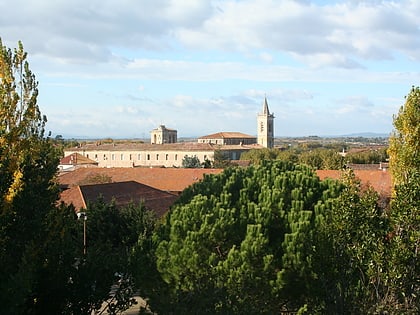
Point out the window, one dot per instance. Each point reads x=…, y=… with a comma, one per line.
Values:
x=176, y=157
x=113, y=156
x=122, y=156
x=166, y=157
x=262, y=126
x=131, y=157
x=157, y=157
x=139, y=156
x=148, y=157
x=87, y=155
x=104, y=157
x=96, y=156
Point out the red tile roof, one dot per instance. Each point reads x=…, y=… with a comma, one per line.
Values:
x=179, y=146
x=161, y=179
x=76, y=159
x=380, y=180
x=224, y=135
x=166, y=179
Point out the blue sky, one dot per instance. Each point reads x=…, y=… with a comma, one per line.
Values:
x=120, y=68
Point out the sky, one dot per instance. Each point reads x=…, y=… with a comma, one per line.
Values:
x=119, y=69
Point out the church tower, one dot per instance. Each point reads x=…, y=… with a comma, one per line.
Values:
x=265, y=122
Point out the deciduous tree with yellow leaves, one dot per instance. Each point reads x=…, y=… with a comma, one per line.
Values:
x=28, y=164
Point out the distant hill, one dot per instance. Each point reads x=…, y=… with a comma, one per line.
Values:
x=362, y=134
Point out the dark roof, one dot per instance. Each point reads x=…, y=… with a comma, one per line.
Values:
x=123, y=193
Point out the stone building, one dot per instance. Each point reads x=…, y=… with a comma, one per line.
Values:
x=161, y=135
x=165, y=151
x=228, y=138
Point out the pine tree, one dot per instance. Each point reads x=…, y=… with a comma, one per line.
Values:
x=242, y=241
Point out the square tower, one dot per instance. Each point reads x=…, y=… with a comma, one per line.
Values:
x=265, y=127
x=162, y=135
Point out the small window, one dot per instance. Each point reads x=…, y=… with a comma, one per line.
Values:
x=176, y=157
x=131, y=157
x=148, y=157
x=138, y=156
x=157, y=157
x=104, y=157
x=167, y=157
x=122, y=157
x=113, y=156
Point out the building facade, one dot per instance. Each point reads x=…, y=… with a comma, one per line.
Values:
x=265, y=125
x=161, y=135
x=165, y=151
x=143, y=155
x=228, y=138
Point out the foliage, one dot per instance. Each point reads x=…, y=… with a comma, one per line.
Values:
x=44, y=270
x=351, y=257
x=367, y=157
x=112, y=233
x=242, y=241
x=403, y=258
x=220, y=160
x=318, y=158
x=28, y=191
x=95, y=179
x=191, y=162
x=404, y=143
x=403, y=267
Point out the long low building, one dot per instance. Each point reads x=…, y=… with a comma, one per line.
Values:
x=154, y=155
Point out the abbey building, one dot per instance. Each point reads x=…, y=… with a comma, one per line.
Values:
x=165, y=151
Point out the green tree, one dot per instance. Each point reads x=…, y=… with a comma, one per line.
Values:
x=404, y=143
x=220, y=160
x=191, y=162
x=242, y=241
x=28, y=191
x=404, y=151
x=351, y=256
x=403, y=257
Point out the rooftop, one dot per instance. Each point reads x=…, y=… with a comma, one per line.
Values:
x=180, y=146
x=228, y=135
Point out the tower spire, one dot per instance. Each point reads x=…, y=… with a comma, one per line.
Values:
x=265, y=110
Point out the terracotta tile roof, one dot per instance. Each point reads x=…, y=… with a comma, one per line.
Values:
x=224, y=135
x=179, y=146
x=380, y=180
x=76, y=159
x=166, y=179
x=125, y=192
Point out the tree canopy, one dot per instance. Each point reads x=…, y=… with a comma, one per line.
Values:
x=242, y=241
x=404, y=143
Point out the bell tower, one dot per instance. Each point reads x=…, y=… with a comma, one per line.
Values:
x=265, y=126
